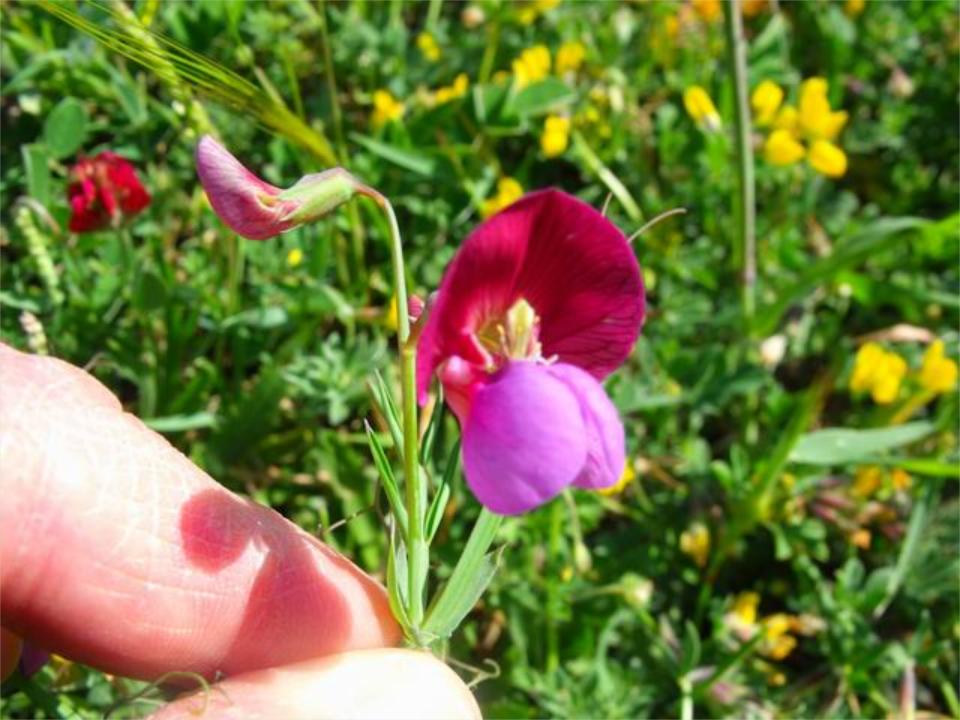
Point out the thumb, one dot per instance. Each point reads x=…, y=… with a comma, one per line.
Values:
x=386, y=684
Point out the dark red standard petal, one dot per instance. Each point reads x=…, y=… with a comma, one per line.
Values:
x=563, y=257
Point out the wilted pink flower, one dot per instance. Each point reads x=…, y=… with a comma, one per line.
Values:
x=543, y=300
x=258, y=210
x=101, y=190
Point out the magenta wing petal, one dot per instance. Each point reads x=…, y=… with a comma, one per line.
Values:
x=606, y=447
x=247, y=204
x=524, y=439
x=570, y=263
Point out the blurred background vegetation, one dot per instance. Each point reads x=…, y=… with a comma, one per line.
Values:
x=751, y=564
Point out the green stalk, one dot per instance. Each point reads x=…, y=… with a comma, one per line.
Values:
x=415, y=488
x=745, y=247
x=553, y=599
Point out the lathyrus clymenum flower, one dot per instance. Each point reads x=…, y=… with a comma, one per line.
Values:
x=258, y=210
x=541, y=302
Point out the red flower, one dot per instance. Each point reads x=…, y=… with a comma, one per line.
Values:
x=103, y=188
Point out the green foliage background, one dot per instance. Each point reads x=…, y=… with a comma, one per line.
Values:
x=258, y=370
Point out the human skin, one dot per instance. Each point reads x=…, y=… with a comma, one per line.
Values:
x=118, y=552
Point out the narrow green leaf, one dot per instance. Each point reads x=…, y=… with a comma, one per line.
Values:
x=838, y=446
x=470, y=578
x=179, y=423
x=414, y=162
x=265, y=318
x=691, y=648
x=387, y=407
x=36, y=164
x=389, y=480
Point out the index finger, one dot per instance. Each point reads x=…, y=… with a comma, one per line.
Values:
x=119, y=552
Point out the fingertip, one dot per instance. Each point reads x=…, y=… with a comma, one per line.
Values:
x=388, y=684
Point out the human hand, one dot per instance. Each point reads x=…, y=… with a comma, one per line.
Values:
x=118, y=552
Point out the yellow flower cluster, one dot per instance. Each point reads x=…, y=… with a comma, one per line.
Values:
x=532, y=65
x=508, y=192
x=570, y=57
x=386, y=108
x=869, y=478
x=938, y=374
x=428, y=46
x=455, y=90
x=556, y=135
x=878, y=372
x=777, y=641
x=530, y=11
x=695, y=542
x=701, y=108
x=881, y=372
x=812, y=121
x=708, y=10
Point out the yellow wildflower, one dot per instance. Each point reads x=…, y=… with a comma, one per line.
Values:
x=938, y=373
x=570, y=57
x=453, y=91
x=428, y=46
x=817, y=119
x=777, y=643
x=627, y=477
x=294, y=257
x=708, y=10
x=766, y=101
x=866, y=481
x=781, y=148
x=861, y=538
x=530, y=11
x=879, y=372
x=695, y=542
x=386, y=108
x=532, y=65
x=701, y=108
x=508, y=192
x=750, y=8
x=566, y=575
x=392, y=317
x=745, y=608
x=827, y=159
x=777, y=679
x=900, y=479
x=556, y=135
x=787, y=119
x=854, y=7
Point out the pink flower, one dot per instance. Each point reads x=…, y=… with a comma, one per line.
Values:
x=258, y=210
x=103, y=188
x=542, y=302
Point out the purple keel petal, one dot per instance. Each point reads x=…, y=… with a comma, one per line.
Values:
x=524, y=439
x=606, y=454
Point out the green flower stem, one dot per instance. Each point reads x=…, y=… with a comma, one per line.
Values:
x=745, y=249
x=415, y=488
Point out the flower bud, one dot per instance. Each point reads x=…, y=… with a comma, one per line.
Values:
x=258, y=210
